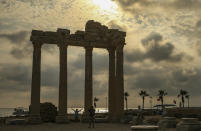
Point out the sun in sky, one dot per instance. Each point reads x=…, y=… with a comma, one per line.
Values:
x=106, y=5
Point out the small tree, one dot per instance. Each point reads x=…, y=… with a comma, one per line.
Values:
x=95, y=100
x=143, y=94
x=126, y=99
x=161, y=94
x=182, y=94
x=48, y=112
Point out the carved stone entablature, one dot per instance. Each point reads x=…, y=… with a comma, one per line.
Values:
x=95, y=35
x=64, y=32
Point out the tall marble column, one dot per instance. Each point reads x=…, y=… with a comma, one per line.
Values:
x=120, y=83
x=62, y=113
x=88, y=98
x=111, y=90
x=35, y=85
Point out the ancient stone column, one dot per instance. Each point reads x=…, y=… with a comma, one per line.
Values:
x=88, y=97
x=35, y=85
x=62, y=113
x=111, y=91
x=119, y=83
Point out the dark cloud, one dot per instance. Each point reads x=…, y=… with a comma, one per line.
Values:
x=151, y=81
x=198, y=24
x=100, y=62
x=17, y=37
x=135, y=55
x=155, y=49
x=14, y=78
x=147, y=79
x=148, y=6
x=130, y=3
x=50, y=77
x=22, y=46
x=198, y=47
x=184, y=4
x=171, y=79
x=192, y=33
x=187, y=79
x=187, y=4
x=129, y=70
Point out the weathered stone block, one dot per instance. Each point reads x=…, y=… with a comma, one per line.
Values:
x=144, y=128
x=167, y=122
x=34, y=119
x=16, y=122
x=51, y=40
x=50, y=34
x=91, y=25
x=80, y=32
x=76, y=37
x=189, y=124
x=91, y=37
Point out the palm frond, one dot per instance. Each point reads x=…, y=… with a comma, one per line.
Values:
x=96, y=99
x=126, y=94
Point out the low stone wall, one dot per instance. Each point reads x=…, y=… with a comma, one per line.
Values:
x=189, y=124
x=167, y=122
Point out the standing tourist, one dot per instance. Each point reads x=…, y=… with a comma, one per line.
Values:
x=76, y=114
x=91, y=116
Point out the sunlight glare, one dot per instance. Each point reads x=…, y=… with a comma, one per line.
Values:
x=106, y=5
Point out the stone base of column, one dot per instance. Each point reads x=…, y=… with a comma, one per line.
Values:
x=116, y=118
x=62, y=119
x=34, y=119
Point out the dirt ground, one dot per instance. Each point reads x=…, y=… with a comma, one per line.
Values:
x=67, y=127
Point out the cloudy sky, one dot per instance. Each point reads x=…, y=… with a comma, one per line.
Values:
x=163, y=48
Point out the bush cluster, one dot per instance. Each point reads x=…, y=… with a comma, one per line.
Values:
x=48, y=112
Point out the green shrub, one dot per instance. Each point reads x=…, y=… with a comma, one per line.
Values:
x=48, y=112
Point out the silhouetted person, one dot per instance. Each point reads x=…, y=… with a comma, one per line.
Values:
x=76, y=114
x=91, y=116
x=140, y=116
x=164, y=111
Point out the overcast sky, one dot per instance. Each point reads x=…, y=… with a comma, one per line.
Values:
x=163, y=48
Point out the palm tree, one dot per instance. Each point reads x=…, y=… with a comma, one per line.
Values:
x=143, y=94
x=188, y=97
x=182, y=94
x=126, y=96
x=95, y=100
x=161, y=94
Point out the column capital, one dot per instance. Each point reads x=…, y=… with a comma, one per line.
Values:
x=37, y=44
x=120, y=48
x=61, y=45
x=88, y=48
x=111, y=49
